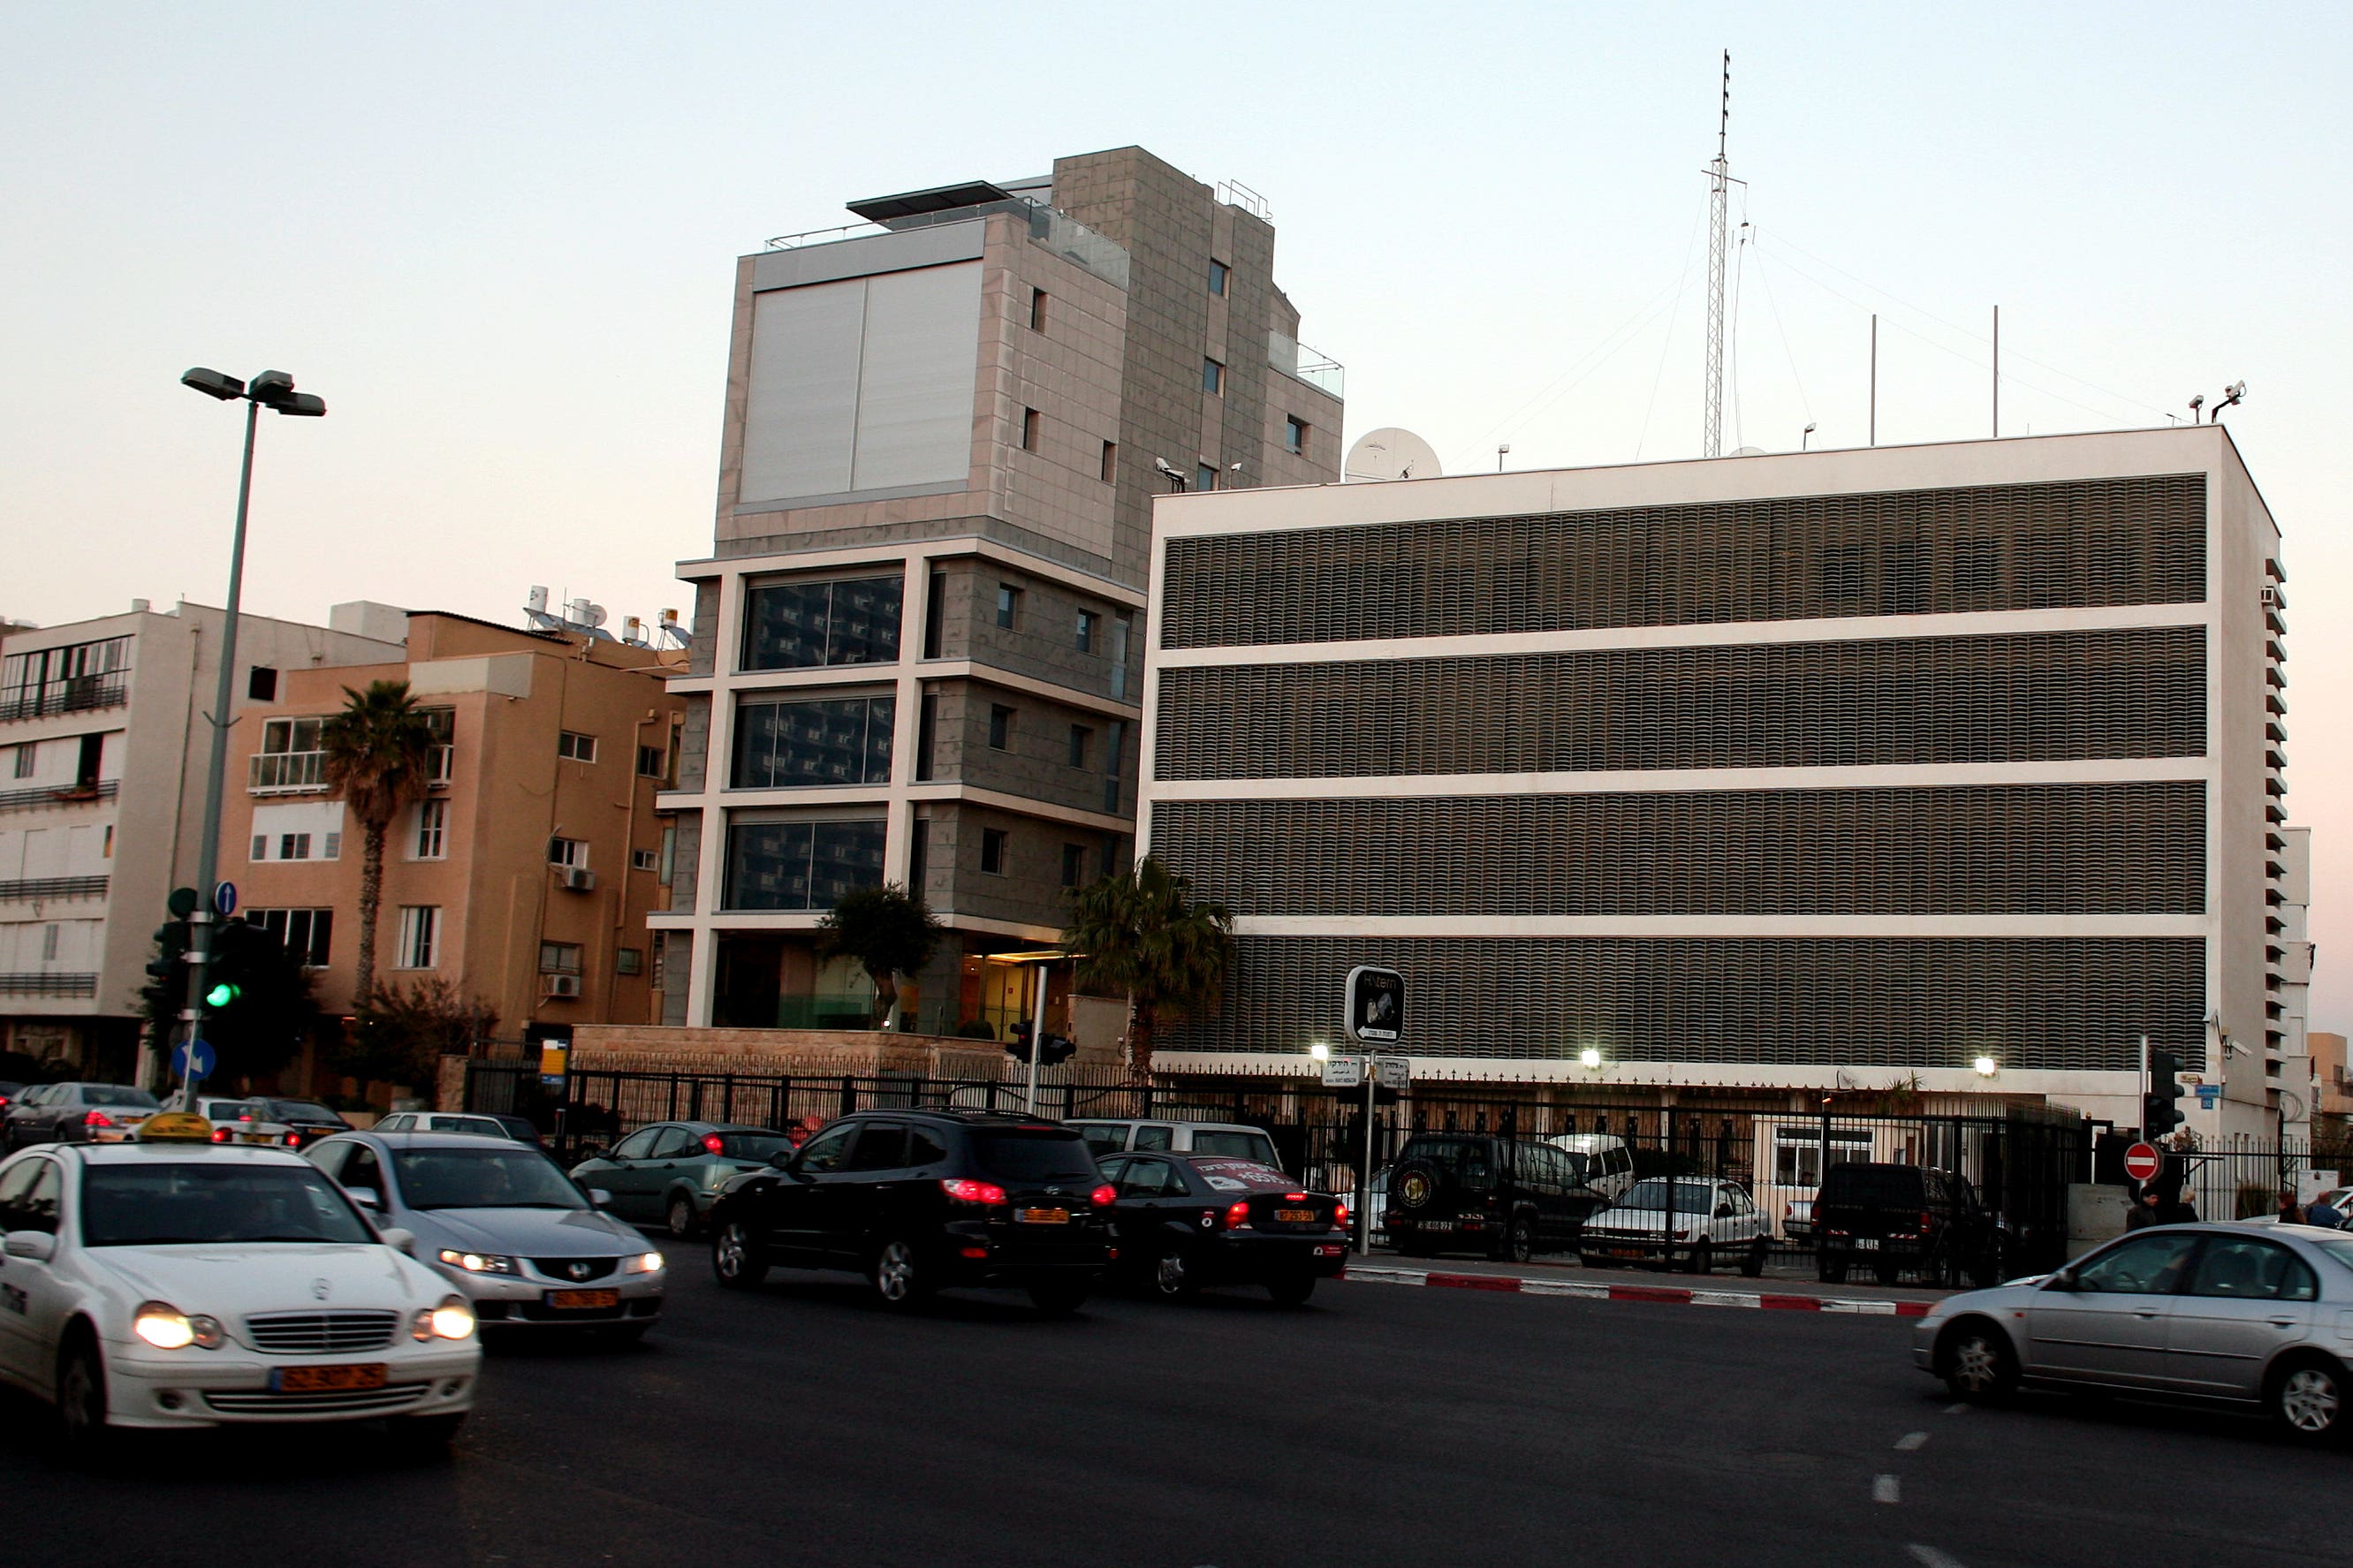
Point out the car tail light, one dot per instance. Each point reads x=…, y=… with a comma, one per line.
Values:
x=1294, y=1197
x=1237, y=1215
x=973, y=1251
x=1340, y=1217
x=220, y=1134
x=715, y=1143
x=1927, y=1222
x=293, y=1140
x=970, y=1192
x=97, y=1118
x=1102, y=1196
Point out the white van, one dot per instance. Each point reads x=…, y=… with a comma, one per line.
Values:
x=1116, y=1135
x=1604, y=1163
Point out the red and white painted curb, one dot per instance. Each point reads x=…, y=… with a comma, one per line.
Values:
x=1668, y=1295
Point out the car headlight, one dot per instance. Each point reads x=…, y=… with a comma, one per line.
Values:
x=643, y=1263
x=477, y=1262
x=452, y=1320
x=167, y=1328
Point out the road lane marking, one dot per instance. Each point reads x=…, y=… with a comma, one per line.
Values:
x=1666, y=1295
x=1910, y=1442
x=1886, y=1488
x=1957, y=1407
x=1930, y=1557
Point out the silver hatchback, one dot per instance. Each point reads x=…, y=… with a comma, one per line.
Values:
x=2252, y=1314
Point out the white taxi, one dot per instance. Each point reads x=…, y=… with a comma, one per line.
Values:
x=174, y=1282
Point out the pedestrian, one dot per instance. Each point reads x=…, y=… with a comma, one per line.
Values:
x=2289, y=1213
x=2144, y=1210
x=2323, y=1213
x=2182, y=1210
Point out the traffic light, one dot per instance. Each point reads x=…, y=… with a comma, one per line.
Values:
x=170, y=952
x=2160, y=1113
x=1057, y=1049
x=244, y=957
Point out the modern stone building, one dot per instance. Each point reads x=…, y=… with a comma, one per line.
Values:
x=918, y=641
x=1814, y=770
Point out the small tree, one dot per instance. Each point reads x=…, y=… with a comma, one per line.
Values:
x=888, y=931
x=1141, y=935
x=400, y=1034
x=379, y=758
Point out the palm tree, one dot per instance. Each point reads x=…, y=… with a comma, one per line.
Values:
x=1141, y=935
x=380, y=760
x=887, y=932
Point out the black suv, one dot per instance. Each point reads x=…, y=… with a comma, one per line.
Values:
x=920, y=1200
x=1507, y=1197
x=1894, y=1217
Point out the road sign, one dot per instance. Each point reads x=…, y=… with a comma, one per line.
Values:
x=181, y=904
x=1344, y=1072
x=200, y=1049
x=1375, y=1004
x=2209, y=1095
x=1393, y=1072
x=224, y=898
x=2142, y=1162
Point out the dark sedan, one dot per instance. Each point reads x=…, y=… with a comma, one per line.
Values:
x=1183, y=1221
x=671, y=1173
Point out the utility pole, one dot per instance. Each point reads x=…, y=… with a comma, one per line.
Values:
x=1997, y=372
x=1719, y=204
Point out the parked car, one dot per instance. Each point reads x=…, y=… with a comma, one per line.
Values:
x=1798, y=1221
x=1509, y=1198
x=187, y=1284
x=75, y=1113
x=670, y=1174
x=1602, y=1160
x=8, y=1092
x=1701, y=1221
x=2249, y=1315
x=466, y=1121
x=1111, y=1135
x=1894, y=1217
x=504, y=1224
x=924, y=1200
x=1184, y=1221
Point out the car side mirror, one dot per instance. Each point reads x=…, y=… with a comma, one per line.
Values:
x=595, y=1155
x=37, y=1245
x=1723, y=1211
x=600, y=1197
x=398, y=1239
x=783, y=1159
x=2064, y=1279
x=366, y=1198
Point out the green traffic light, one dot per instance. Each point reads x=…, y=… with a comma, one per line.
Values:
x=220, y=996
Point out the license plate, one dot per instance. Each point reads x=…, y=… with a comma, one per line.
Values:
x=1866, y=1244
x=1437, y=1225
x=1295, y=1217
x=1624, y=1252
x=1045, y=1216
x=324, y=1379
x=584, y=1299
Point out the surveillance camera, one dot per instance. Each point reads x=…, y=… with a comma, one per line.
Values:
x=1162, y=464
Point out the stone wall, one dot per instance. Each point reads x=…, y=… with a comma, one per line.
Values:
x=815, y=1053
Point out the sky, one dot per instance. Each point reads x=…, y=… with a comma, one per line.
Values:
x=498, y=240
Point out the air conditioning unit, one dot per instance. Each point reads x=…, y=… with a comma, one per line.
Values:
x=577, y=879
x=562, y=984
x=2270, y=597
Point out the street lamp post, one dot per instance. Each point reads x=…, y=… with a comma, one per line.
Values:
x=271, y=389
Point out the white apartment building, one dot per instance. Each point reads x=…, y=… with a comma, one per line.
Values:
x=102, y=750
x=1952, y=767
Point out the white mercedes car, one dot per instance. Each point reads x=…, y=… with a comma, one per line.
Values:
x=183, y=1283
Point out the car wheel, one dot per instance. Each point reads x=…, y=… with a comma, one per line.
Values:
x=85, y=1435
x=2308, y=1399
x=427, y=1435
x=1754, y=1264
x=1058, y=1297
x=1884, y=1272
x=733, y=1258
x=1702, y=1257
x=1172, y=1279
x=1520, y=1245
x=1978, y=1364
x=682, y=1216
x=898, y=1275
x=1292, y=1290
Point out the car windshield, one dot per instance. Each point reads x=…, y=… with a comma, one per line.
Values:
x=492, y=1178
x=1688, y=1197
x=156, y=1204
x=754, y=1145
x=1580, y=1167
x=308, y=1110
x=1255, y=1146
x=1046, y=1155
x=1242, y=1176
x=1465, y=1159
x=117, y=1094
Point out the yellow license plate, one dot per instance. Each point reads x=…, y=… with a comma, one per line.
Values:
x=1045, y=1216
x=1295, y=1217
x=584, y=1299
x=326, y=1379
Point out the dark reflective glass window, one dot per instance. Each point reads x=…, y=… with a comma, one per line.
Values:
x=846, y=740
x=796, y=626
x=801, y=865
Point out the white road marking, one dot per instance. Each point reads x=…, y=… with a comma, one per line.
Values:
x=1930, y=1557
x=1954, y=1409
x=1886, y=1488
x=1911, y=1441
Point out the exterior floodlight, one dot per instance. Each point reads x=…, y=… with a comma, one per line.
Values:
x=303, y=404
x=1590, y=1056
x=271, y=387
x=213, y=384
x=1320, y=1051
x=1987, y=1067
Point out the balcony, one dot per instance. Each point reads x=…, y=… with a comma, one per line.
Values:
x=27, y=889
x=288, y=772
x=48, y=984
x=60, y=794
x=71, y=694
x=1302, y=363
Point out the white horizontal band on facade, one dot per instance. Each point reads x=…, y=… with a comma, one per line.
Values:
x=1902, y=776
x=1842, y=925
x=1435, y=1073
x=1711, y=633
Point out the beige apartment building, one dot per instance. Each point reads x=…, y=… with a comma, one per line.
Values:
x=526, y=875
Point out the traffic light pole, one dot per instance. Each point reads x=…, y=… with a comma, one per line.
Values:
x=201, y=924
x=1036, y=1038
x=2148, y=1085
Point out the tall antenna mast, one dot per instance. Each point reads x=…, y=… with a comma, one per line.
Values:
x=1719, y=204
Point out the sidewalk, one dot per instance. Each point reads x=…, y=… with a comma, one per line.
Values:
x=1540, y=1279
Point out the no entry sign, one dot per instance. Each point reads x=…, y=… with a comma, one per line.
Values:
x=2142, y=1162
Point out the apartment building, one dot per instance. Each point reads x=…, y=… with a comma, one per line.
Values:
x=103, y=744
x=1955, y=767
x=918, y=641
x=525, y=876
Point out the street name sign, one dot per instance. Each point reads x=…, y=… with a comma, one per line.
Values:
x=1344, y=1072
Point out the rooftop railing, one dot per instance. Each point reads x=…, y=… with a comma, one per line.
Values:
x=1064, y=235
x=60, y=794
x=26, y=888
x=1302, y=363
x=48, y=983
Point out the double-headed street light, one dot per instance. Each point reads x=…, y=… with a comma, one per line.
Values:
x=272, y=389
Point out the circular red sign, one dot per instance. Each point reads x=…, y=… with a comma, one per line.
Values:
x=2142, y=1162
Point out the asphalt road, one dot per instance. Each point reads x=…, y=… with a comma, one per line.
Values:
x=1381, y=1425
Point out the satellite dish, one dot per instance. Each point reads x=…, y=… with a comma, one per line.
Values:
x=1750, y=452
x=1390, y=453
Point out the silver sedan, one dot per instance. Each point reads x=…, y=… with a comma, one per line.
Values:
x=2252, y=1316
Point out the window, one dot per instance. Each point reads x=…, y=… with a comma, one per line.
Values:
x=825, y=1151
x=881, y=1145
x=1074, y=863
x=48, y=945
x=443, y=723
x=28, y=1196
x=1000, y=727
x=1204, y=477
x=567, y=852
x=919, y=855
x=790, y=745
x=628, y=961
x=1294, y=434
x=645, y=859
x=1213, y=376
x=1032, y=423
x=24, y=755
x=2251, y=1270
x=432, y=828
x=1088, y=623
x=653, y=763
x=1114, y=745
x=574, y=747
x=107, y=853
x=261, y=684
x=559, y=957
x=924, y=1148
x=992, y=852
x=307, y=935
x=799, y=624
x=936, y=614
x=1110, y=470
x=927, y=735
x=420, y=936
x=293, y=846
x=1037, y=310
x=2145, y=1266
x=90, y=755
x=1219, y=273
x=1009, y=604
x=1080, y=737
x=801, y=865
x=1123, y=627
